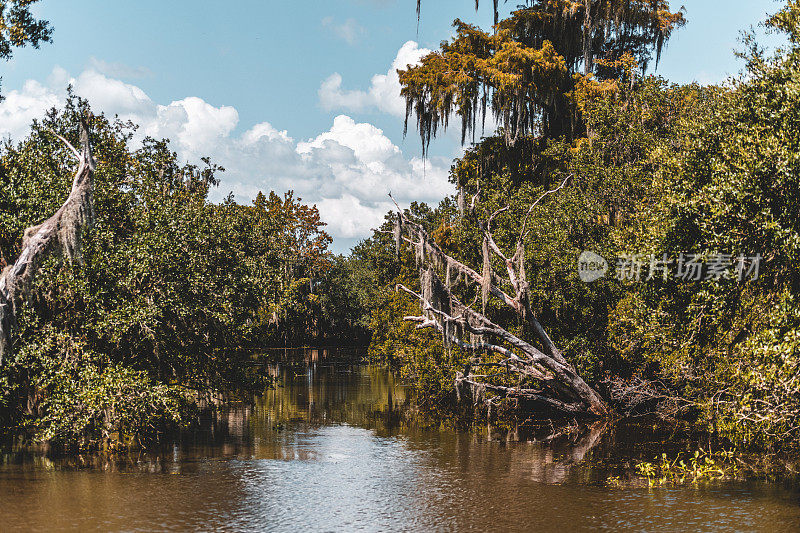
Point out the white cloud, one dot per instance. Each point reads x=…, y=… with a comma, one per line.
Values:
x=265, y=130
x=191, y=123
x=350, y=31
x=20, y=107
x=360, y=220
x=198, y=125
x=347, y=170
x=112, y=95
x=367, y=142
x=383, y=93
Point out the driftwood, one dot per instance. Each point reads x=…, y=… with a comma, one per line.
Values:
x=61, y=234
x=558, y=385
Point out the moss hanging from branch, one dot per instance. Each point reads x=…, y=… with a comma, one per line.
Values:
x=524, y=71
x=62, y=234
x=557, y=383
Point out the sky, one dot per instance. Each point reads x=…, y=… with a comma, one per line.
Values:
x=294, y=95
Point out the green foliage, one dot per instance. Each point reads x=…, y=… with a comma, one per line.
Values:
x=291, y=260
x=18, y=27
x=727, y=184
x=172, y=296
x=695, y=468
x=759, y=403
x=663, y=169
x=526, y=70
x=108, y=406
x=421, y=357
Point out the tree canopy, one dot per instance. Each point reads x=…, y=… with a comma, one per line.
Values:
x=667, y=176
x=525, y=70
x=19, y=27
x=173, y=292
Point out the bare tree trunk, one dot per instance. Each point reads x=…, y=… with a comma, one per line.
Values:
x=60, y=234
x=558, y=385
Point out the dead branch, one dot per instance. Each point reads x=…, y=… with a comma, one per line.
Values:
x=561, y=386
x=524, y=232
x=61, y=234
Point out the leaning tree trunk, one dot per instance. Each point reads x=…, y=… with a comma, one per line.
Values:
x=61, y=234
x=557, y=383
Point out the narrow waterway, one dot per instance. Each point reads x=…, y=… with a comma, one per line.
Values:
x=327, y=451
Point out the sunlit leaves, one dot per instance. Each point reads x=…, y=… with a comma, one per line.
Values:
x=18, y=27
x=175, y=291
x=523, y=71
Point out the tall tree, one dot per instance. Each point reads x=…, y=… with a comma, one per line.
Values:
x=526, y=70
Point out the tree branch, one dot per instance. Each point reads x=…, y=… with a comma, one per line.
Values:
x=61, y=233
x=441, y=310
x=524, y=232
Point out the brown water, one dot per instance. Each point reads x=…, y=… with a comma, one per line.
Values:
x=325, y=453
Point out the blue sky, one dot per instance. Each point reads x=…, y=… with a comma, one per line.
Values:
x=285, y=94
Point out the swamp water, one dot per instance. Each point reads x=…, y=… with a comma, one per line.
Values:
x=325, y=452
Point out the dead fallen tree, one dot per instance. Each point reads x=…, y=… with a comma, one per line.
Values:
x=545, y=376
x=61, y=234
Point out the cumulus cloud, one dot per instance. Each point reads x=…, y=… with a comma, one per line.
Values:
x=347, y=170
x=20, y=107
x=111, y=94
x=383, y=93
x=350, y=31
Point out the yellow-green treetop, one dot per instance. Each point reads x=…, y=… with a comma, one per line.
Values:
x=524, y=70
x=18, y=27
